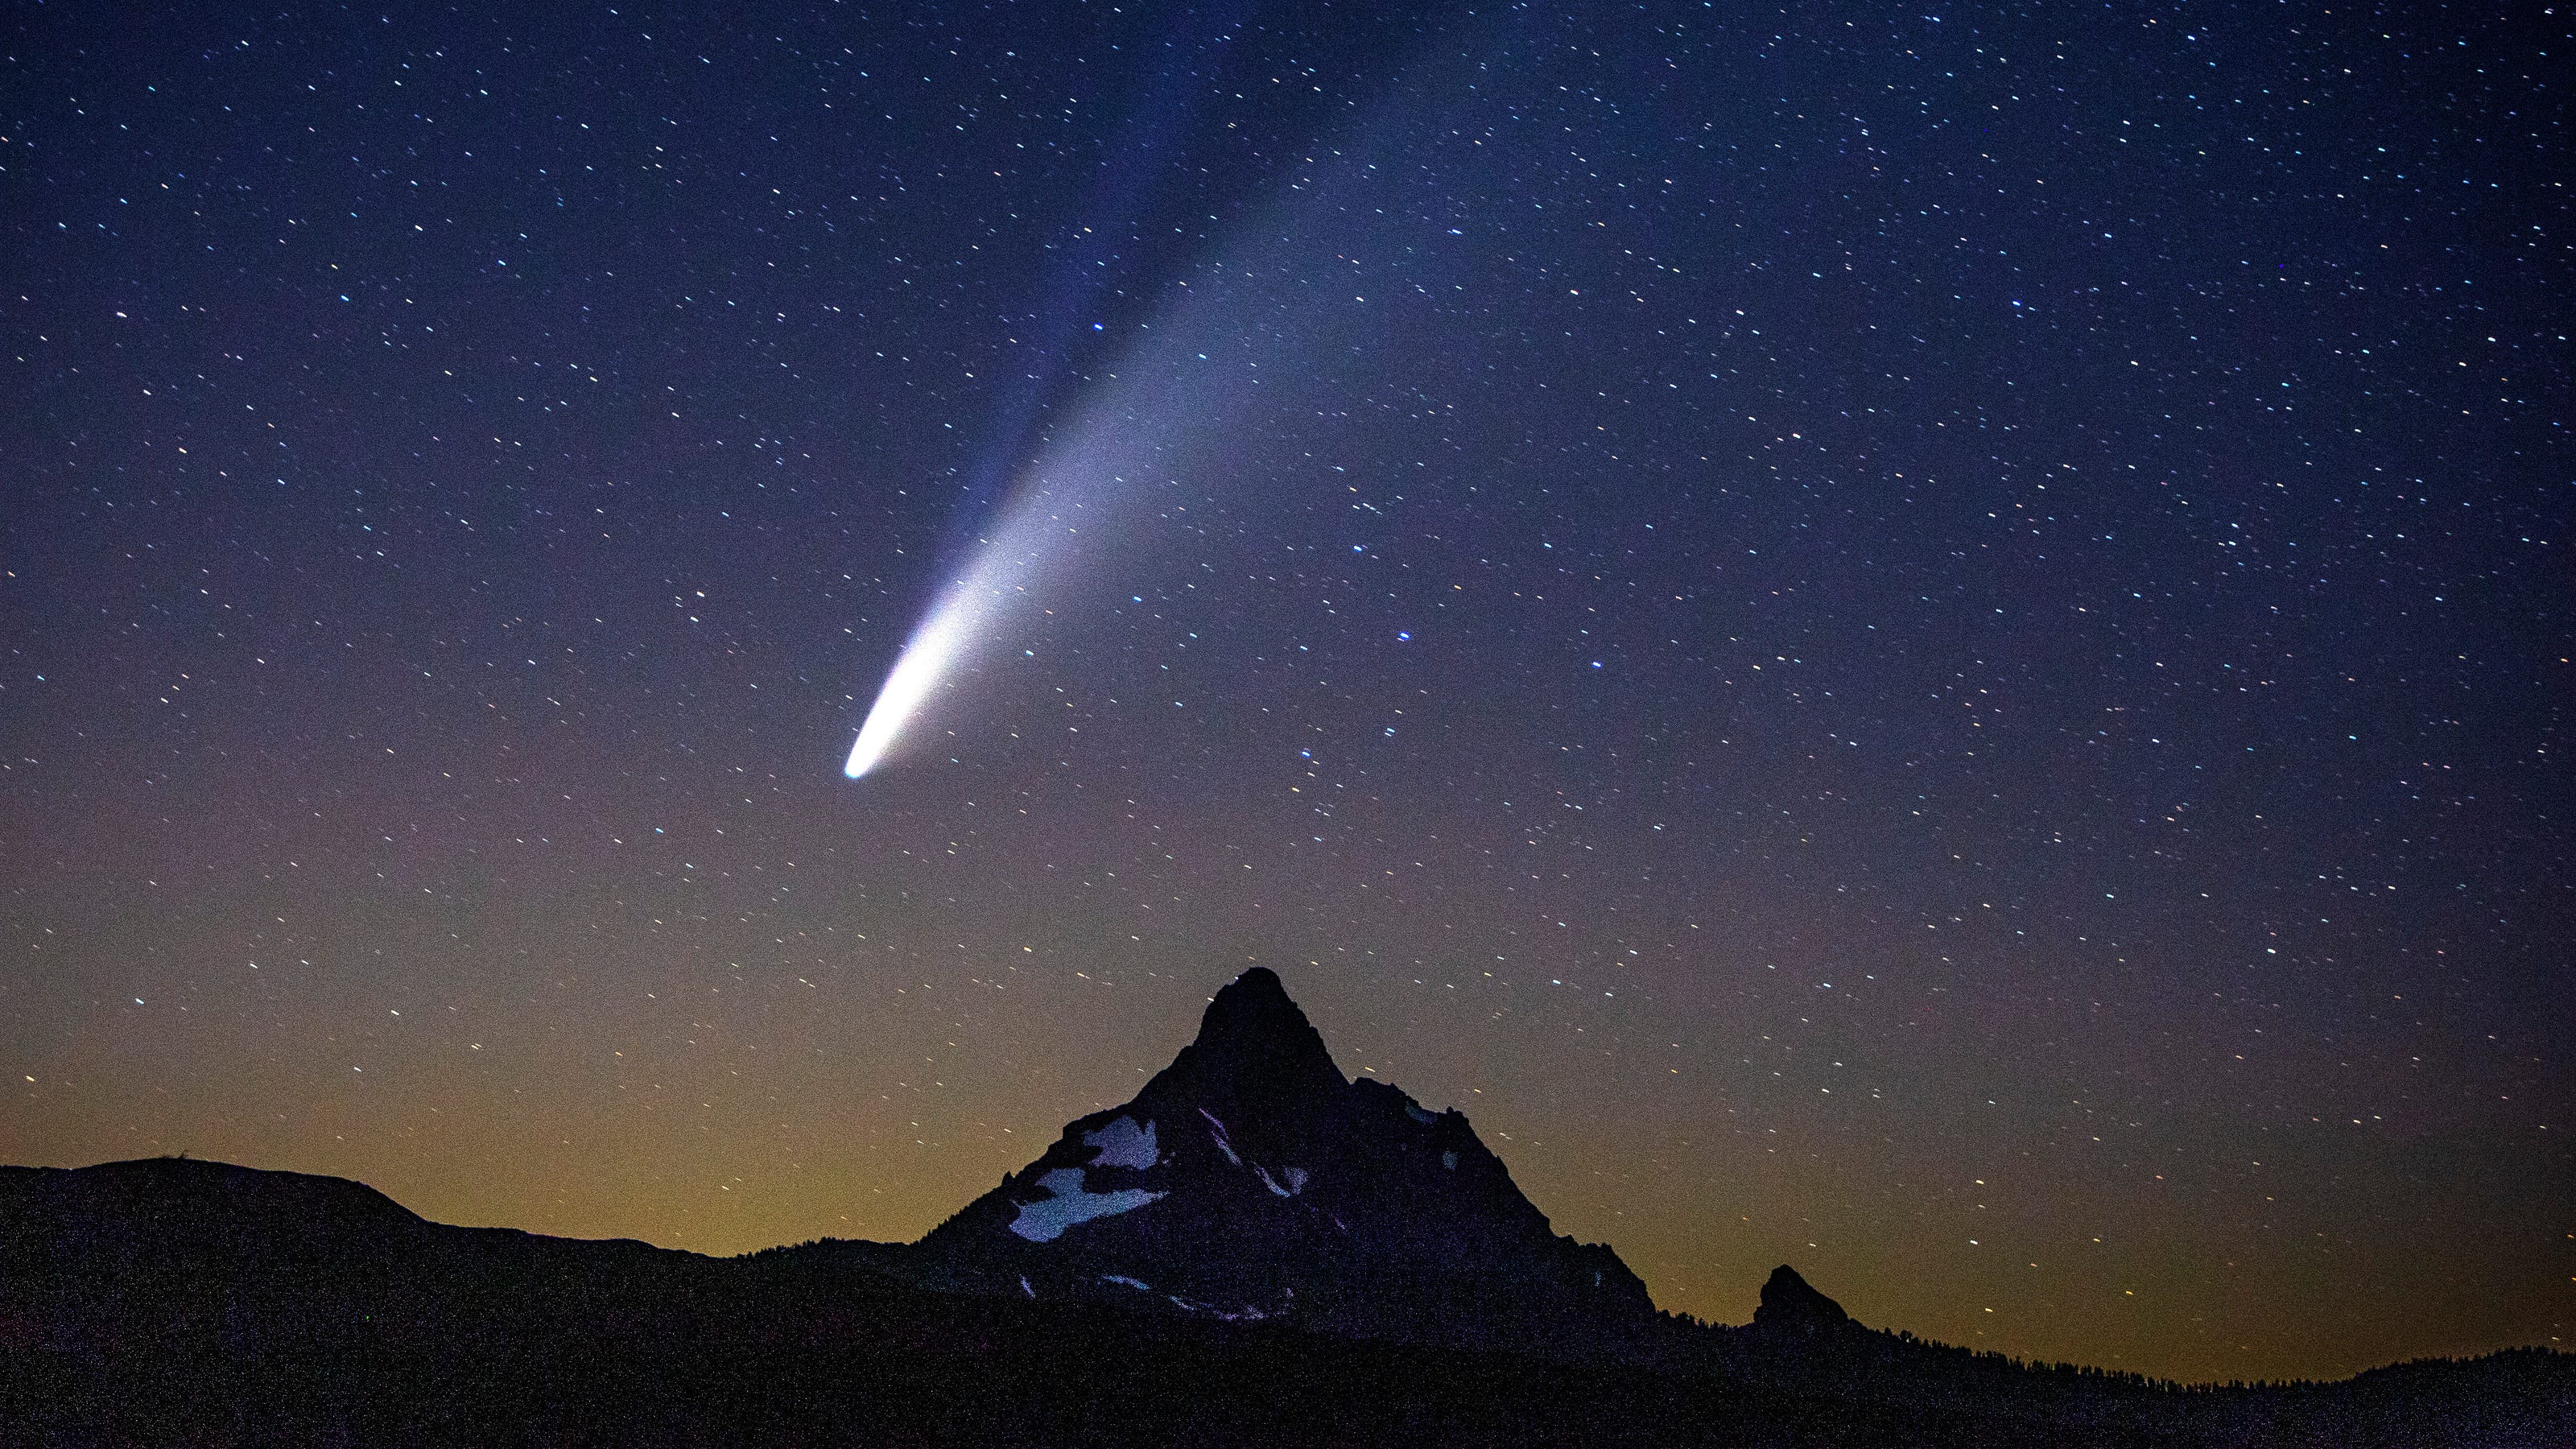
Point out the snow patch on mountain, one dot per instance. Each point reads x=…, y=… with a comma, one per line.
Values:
x=1296, y=1176
x=1216, y=1129
x=1069, y=1203
x=1123, y=1144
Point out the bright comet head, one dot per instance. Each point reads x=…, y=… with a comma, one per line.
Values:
x=969, y=612
x=1052, y=519
x=926, y=656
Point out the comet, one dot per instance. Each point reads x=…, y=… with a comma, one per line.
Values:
x=917, y=670
x=1037, y=530
x=1085, y=272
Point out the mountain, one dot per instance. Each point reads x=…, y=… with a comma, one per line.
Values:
x=1791, y=1309
x=1250, y=1180
x=1256, y=1250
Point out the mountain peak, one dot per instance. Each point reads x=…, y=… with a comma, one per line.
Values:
x=1254, y=1042
x=1258, y=984
x=1788, y=1303
x=1251, y=1179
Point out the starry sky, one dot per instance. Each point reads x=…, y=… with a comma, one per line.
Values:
x=1931, y=642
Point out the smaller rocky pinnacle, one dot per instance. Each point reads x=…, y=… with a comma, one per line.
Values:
x=1254, y=1039
x=1789, y=1304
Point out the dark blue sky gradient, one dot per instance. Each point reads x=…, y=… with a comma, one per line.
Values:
x=1929, y=643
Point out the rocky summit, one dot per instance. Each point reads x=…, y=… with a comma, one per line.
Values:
x=1251, y=1180
x=1790, y=1307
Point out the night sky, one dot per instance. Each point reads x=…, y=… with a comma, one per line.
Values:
x=1931, y=642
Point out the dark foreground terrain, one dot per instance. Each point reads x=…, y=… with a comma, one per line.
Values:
x=178, y=1302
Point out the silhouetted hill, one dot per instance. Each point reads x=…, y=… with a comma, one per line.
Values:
x=171, y=1302
x=1789, y=1307
x=1256, y=1250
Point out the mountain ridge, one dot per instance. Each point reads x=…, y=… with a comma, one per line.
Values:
x=322, y=1311
x=1254, y=1249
